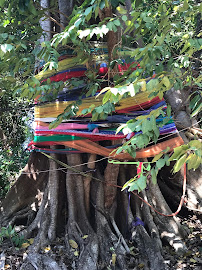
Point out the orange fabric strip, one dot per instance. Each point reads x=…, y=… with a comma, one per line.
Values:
x=88, y=146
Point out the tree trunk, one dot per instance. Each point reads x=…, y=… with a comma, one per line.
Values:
x=97, y=223
x=65, y=8
x=37, y=202
x=45, y=23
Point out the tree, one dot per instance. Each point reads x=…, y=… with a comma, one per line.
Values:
x=91, y=206
x=13, y=133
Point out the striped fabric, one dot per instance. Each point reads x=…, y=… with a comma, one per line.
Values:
x=80, y=134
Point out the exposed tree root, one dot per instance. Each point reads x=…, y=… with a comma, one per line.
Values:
x=194, y=189
x=124, y=207
x=149, y=251
x=24, y=214
x=78, y=224
x=53, y=187
x=26, y=192
x=148, y=243
x=87, y=181
x=36, y=261
x=110, y=176
x=171, y=188
x=149, y=221
x=34, y=225
x=109, y=242
x=45, y=220
x=169, y=227
x=97, y=231
x=149, y=246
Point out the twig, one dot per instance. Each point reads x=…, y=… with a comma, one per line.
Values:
x=120, y=235
x=193, y=209
x=52, y=19
x=197, y=59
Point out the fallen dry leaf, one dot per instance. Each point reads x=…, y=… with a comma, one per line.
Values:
x=73, y=244
x=25, y=245
x=76, y=253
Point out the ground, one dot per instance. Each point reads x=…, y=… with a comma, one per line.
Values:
x=12, y=257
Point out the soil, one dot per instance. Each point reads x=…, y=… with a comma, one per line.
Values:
x=12, y=257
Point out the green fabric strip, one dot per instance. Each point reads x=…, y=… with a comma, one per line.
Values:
x=57, y=138
x=56, y=151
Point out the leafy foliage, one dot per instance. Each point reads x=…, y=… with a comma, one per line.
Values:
x=11, y=234
x=13, y=131
x=195, y=104
x=190, y=153
x=161, y=37
x=149, y=171
x=146, y=129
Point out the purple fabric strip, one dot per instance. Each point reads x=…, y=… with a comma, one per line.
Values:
x=137, y=221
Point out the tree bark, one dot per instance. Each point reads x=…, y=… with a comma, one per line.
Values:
x=45, y=23
x=65, y=8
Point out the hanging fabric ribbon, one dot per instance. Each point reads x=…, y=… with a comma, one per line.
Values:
x=139, y=169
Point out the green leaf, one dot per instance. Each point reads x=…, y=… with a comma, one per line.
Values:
x=140, y=141
x=142, y=182
x=160, y=94
x=147, y=19
x=36, y=82
x=108, y=108
x=110, y=26
x=193, y=103
x=119, y=150
x=121, y=10
x=154, y=176
x=10, y=78
x=32, y=8
x=73, y=244
x=200, y=7
x=88, y=11
x=133, y=186
x=152, y=84
x=156, y=132
x=95, y=116
x=124, y=18
x=145, y=126
x=179, y=163
x=166, y=158
x=6, y=48
x=168, y=111
x=96, y=11
x=137, y=3
x=55, y=123
x=2, y=3
x=185, y=5
x=191, y=160
x=197, y=110
x=157, y=157
x=132, y=151
x=53, y=65
x=195, y=143
x=160, y=163
x=78, y=22
x=117, y=22
x=186, y=46
x=106, y=97
x=99, y=109
x=197, y=163
x=143, y=86
x=178, y=151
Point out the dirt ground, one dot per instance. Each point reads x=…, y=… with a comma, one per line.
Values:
x=11, y=258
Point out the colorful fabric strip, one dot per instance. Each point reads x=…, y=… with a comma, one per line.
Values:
x=87, y=146
x=141, y=101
